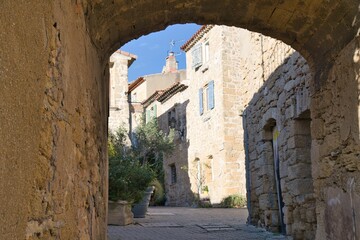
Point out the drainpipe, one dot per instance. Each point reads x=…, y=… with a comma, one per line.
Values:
x=247, y=165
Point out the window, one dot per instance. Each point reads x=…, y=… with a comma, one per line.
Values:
x=151, y=113
x=172, y=118
x=210, y=95
x=196, y=56
x=173, y=173
x=133, y=97
x=206, y=98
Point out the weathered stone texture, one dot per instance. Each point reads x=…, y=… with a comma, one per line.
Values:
x=53, y=106
x=53, y=124
x=220, y=148
x=118, y=93
x=177, y=193
x=282, y=101
x=336, y=150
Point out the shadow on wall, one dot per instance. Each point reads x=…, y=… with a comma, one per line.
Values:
x=338, y=169
x=279, y=166
x=177, y=182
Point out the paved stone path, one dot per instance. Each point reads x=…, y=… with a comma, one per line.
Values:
x=165, y=223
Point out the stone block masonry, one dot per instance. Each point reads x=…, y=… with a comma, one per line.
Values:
x=282, y=195
x=54, y=103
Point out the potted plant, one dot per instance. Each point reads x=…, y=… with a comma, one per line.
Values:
x=151, y=144
x=132, y=169
x=128, y=180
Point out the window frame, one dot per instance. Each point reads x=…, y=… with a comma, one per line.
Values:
x=197, y=56
x=207, y=97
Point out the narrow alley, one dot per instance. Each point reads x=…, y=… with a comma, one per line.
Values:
x=178, y=223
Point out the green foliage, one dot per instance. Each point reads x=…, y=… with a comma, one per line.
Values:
x=131, y=170
x=234, y=201
x=116, y=142
x=205, y=204
x=150, y=147
x=152, y=142
x=201, y=202
x=158, y=198
x=128, y=179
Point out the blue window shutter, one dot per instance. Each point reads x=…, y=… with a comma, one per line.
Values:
x=201, y=105
x=210, y=95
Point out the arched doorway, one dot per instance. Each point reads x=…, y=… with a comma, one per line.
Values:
x=54, y=107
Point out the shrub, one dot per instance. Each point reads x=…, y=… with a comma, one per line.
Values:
x=133, y=168
x=128, y=179
x=158, y=198
x=234, y=201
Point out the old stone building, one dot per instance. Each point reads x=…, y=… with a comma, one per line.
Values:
x=169, y=106
x=120, y=61
x=211, y=153
x=54, y=108
x=209, y=159
x=144, y=88
x=215, y=155
x=278, y=141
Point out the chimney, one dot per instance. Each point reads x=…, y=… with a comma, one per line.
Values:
x=171, y=64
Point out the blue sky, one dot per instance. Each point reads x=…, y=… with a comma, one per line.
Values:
x=152, y=49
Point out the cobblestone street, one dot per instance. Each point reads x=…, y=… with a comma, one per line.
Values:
x=165, y=223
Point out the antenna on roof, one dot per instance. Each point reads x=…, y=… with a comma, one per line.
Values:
x=172, y=46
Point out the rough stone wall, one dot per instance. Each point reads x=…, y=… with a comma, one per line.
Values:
x=53, y=114
x=242, y=76
x=320, y=29
x=178, y=193
x=336, y=148
x=237, y=65
x=281, y=103
x=206, y=132
x=119, y=106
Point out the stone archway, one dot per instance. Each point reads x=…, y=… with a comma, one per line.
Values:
x=53, y=104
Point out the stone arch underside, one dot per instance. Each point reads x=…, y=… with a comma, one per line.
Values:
x=53, y=108
x=317, y=29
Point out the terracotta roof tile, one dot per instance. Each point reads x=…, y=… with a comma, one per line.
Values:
x=152, y=98
x=169, y=92
x=135, y=84
x=191, y=42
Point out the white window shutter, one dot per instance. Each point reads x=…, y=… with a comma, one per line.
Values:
x=196, y=56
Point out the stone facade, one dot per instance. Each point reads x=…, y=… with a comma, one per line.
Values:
x=144, y=87
x=335, y=149
x=211, y=152
x=278, y=119
x=216, y=135
x=120, y=61
x=311, y=145
x=171, y=111
x=274, y=82
x=54, y=108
